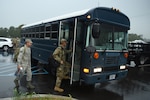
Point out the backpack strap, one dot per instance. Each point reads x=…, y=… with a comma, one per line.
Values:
x=24, y=47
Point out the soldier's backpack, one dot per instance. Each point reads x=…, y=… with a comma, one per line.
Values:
x=54, y=64
x=16, y=53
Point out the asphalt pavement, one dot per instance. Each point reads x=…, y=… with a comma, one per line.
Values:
x=136, y=86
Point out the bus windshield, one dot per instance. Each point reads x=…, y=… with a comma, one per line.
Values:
x=110, y=38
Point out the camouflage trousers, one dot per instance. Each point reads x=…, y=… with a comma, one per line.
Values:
x=62, y=71
x=21, y=73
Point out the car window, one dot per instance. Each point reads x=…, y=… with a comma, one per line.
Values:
x=2, y=40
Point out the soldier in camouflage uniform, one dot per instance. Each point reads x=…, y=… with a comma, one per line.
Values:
x=24, y=64
x=16, y=42
x=64, y=68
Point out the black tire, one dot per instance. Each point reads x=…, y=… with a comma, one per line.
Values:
x=137, y=61
x=5, y=48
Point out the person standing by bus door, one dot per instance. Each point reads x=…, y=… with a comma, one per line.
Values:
x=64, y=68
x=24, y=64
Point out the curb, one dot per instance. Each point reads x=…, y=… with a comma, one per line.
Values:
x=42, y=95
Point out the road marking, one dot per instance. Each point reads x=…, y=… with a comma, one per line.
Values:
x=14, y=66
x=7, y=64
x=11, y=74
x=8, y=70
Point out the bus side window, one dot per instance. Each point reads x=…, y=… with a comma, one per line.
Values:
x=47, y=32
x=37, y=35
x=54, y=30
x=41, y=35
x=41, y=31
x=54, y=35
x=47, y=36
x=37, y=29
x=29, y=35
x=33, y=35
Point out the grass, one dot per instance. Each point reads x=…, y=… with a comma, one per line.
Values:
x=34, y=96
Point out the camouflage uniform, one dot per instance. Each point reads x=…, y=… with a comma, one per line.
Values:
x=60, y=55
x=16, y=42
x=24, y=60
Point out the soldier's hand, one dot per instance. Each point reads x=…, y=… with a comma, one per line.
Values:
x=18, y=67
x=61, y=62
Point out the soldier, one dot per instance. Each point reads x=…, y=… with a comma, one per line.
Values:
x=16, y=42
x=64, y=68
x=24, y=64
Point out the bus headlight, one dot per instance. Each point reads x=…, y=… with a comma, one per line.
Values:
x=86, y=70
x=122, y=67
x=96, y=70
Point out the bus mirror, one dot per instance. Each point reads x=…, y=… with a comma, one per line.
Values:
x=96, y=30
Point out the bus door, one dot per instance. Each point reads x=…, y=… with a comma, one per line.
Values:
x=69, y=32
x=77, y=45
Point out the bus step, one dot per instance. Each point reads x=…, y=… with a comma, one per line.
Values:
x=37, y=71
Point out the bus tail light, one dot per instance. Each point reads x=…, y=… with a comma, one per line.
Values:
x=126, y=55
x=96, y=55
x=86, y=70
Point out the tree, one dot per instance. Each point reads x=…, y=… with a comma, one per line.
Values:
x=132, y=37
x=3, y=32
x=11, y=32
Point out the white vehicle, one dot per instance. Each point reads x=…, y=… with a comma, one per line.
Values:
x=5, y=43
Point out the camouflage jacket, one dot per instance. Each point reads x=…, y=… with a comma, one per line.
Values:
x=60, y=54
x=24, y=57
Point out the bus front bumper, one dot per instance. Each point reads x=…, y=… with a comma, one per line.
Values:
x=104, y=77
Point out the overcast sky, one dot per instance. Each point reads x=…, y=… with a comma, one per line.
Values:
x=17, y=12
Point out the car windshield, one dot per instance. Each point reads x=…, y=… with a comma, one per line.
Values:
x=111, y=38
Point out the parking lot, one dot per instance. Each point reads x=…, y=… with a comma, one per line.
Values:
x=136, y=86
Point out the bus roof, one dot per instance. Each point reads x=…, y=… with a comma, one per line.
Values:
x=104, y=16
x=74, y=14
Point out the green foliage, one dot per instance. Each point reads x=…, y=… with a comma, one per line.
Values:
x=11, y=32
x=33, y=96
x=132, y=37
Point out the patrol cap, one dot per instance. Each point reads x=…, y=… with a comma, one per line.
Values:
x=28, y=40
x=63, y=40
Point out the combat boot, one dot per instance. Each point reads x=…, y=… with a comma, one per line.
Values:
x=58, y=89
x=16, y=83
x=29, y=85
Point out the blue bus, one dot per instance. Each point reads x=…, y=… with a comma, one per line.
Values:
x=98, y=37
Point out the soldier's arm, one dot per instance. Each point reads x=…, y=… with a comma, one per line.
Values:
x=56, y=55
x=68, y=51
x=20, y=56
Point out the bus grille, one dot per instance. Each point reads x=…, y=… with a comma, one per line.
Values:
x=111, y=60
x=107, y=69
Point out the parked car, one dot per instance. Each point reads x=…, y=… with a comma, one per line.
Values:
x=5, y=43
